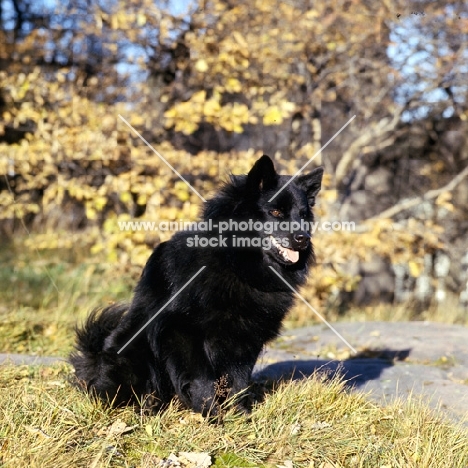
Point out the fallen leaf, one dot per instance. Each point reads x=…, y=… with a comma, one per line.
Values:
x=286, y=464
x=295, y=428
x=196, y=459
x=117, y=428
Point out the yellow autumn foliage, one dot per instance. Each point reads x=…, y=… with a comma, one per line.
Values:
x=78, y=169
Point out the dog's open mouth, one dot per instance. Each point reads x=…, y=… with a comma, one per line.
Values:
x=288, y=255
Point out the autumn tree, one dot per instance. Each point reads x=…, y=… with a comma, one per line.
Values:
x=238, y=78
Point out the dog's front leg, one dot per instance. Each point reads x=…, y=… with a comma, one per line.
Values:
x=232, y=366
x=194, y=382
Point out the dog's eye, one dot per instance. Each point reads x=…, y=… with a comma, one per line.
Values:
x=276, y=213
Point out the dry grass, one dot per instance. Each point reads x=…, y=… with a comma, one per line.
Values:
x=41, y=302
x=449, y=311
x=45, y=422
x=38, y=315
x=310, y=423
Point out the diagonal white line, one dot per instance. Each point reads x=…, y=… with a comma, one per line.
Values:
x=161, y=309
x=312, y=158
x=313, y=310
x=162, y=159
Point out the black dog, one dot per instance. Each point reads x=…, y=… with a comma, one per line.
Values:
x=203, y=345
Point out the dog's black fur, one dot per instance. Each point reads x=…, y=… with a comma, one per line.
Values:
x=211, y=334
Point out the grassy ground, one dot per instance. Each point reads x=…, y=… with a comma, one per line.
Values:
x=311, y=423
x=43, y=297
x=46, y=422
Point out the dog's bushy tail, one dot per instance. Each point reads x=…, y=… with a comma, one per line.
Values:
x=98, y=370
x=98, y=326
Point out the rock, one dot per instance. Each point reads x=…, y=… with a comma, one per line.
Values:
x=394, y=360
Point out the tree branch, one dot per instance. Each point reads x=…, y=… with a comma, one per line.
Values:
x=373, y=135
x=406, y=204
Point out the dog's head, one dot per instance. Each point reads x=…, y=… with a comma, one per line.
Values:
x=284, y=206
x=277, y=210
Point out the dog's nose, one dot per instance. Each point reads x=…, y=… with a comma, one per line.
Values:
x=301, y=239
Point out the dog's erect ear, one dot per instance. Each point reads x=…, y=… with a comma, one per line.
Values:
x=311, y=184
x=262, y=176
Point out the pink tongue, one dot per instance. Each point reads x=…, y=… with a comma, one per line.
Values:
x=293, y=256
